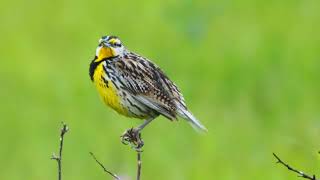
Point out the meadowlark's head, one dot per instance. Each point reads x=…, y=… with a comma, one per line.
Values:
x=109, y=46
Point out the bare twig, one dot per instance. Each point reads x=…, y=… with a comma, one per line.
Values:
x=58, y=158
x=300, y=173
x=104, y=169
x=139, y=164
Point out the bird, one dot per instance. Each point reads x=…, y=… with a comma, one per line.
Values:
x=136, y=87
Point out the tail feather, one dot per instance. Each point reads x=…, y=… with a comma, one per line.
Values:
x=196, y=124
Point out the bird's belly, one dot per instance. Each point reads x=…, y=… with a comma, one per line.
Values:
x=117, y=98
x=108, y=91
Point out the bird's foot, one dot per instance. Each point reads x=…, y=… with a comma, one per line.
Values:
x=133, y=138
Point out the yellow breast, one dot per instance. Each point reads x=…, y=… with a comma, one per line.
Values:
x=107, y=90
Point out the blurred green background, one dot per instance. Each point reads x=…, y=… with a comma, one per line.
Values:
x=249, y=70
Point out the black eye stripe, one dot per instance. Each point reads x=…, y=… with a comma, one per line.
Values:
x=117, y=44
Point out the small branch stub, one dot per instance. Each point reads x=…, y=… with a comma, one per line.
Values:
x=58, y=158
x=300, y=173
x=139, y=164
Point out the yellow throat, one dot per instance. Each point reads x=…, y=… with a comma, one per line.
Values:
x=104, y=52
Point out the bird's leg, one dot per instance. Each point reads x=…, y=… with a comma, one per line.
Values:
x=133, y=136
x=144, y=124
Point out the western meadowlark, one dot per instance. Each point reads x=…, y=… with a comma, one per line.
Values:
x=135, y=87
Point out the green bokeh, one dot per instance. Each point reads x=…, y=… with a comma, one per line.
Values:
x=249, y=70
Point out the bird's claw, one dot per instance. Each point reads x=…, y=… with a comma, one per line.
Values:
x=133, y=137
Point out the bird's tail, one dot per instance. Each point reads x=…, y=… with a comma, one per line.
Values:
x=196, y=124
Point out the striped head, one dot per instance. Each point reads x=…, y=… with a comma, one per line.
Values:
x=109, y=46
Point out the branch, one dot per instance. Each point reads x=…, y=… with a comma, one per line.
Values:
x=104, y=169
x=63, y=131
x=300, y=173
x=133, y=138
x=139, y=164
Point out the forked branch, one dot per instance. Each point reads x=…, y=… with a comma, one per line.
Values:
x=300, y=173
x=58, y=158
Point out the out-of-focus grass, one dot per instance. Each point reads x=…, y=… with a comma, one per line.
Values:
x=249, y=71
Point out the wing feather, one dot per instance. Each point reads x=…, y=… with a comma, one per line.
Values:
x=148, y=84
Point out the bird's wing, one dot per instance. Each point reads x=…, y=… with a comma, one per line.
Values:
x=149, y=85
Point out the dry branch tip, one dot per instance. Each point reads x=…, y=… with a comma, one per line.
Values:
x=300, y=173
x=58, y=158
